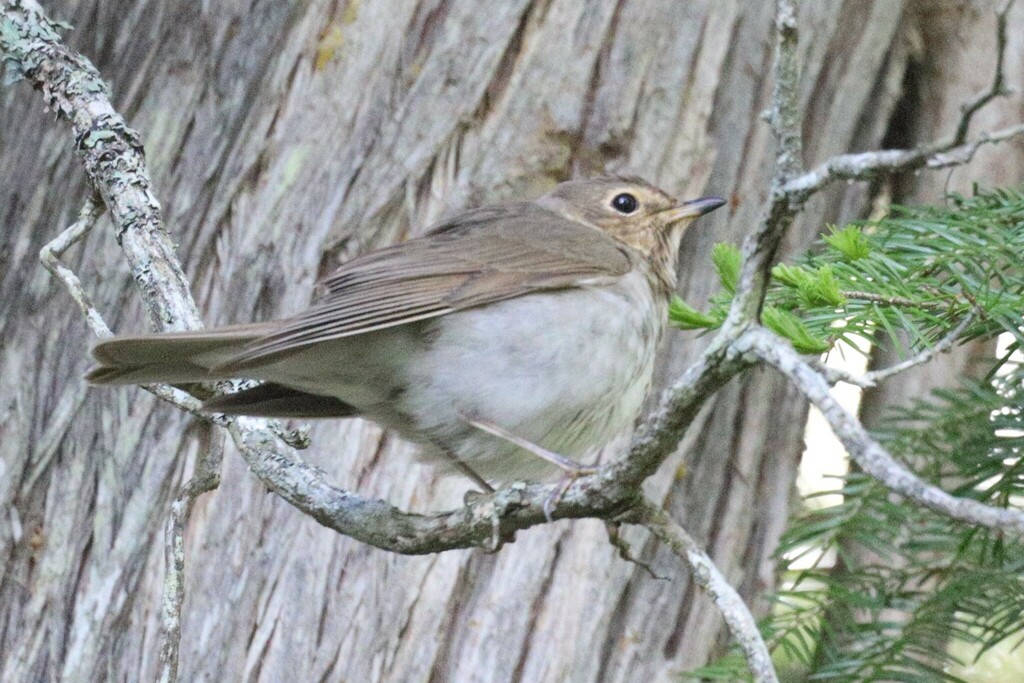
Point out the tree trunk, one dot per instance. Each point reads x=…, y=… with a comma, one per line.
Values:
x=286, y=136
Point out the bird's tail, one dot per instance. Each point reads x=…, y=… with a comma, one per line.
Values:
x=170, y=358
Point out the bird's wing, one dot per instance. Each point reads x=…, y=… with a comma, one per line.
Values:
x=480, y=257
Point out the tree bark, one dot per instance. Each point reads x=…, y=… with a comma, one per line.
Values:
x=286, y=136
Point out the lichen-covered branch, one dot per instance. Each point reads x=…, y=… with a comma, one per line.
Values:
x=865, y=451
x=485, y=521
x=737, y=616
x=110, y=151
x=205, y=478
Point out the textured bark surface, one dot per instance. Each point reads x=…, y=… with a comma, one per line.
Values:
x=284, y=136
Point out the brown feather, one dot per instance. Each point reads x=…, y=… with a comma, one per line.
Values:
x=483, y=256
x=274, y=400
x=171, y=357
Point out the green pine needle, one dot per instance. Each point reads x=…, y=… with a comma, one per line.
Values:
x=896, y=584
x=685, y=317
x=789, y=326
x=850, y=242
x=726, y=258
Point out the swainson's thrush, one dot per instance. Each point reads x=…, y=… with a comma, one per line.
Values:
x=522, y=324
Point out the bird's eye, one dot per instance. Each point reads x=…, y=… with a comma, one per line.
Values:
x=624, y=202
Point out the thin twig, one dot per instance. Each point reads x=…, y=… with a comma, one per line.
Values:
x=998, y=88
x=870, y=379
x=836, y=375
x=786, y=122
x=882, y=299
x=626, y=553
x=941, y=346
x=870, y=165
x=50, y=256
x=868, y=454
x=205, y=478
x=953, y=151
x=738, y=618
x=785, y=116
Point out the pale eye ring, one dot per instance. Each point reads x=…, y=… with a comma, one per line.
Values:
x=625, y=203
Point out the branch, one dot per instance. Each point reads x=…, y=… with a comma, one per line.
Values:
x=737, y=616
x=485, y=521
x=867, y=453
x=870, y=379
x=954, y=151
x=206, y=478
x=868, y=165
x=786, y=121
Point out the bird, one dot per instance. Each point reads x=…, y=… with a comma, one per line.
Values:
x=507, y=342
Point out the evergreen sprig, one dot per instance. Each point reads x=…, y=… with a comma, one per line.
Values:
x=893, y=585
x=934, y=579
x=911, y=276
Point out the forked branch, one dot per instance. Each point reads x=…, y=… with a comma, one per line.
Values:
x=868, y=453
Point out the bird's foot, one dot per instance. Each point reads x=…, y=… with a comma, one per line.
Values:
x=569, y=475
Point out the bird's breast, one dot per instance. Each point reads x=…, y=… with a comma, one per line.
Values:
x=565, y=369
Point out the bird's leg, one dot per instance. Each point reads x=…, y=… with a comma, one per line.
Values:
x=466, y=469
x=560, y=461
x=571, y=470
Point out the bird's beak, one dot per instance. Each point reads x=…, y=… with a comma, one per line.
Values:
x=693, y=208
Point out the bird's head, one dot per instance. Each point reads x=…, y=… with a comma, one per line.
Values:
x=634, y=212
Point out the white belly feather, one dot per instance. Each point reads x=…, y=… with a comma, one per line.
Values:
x=566, y=376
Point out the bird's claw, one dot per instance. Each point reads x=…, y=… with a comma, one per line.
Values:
x=569, y=475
